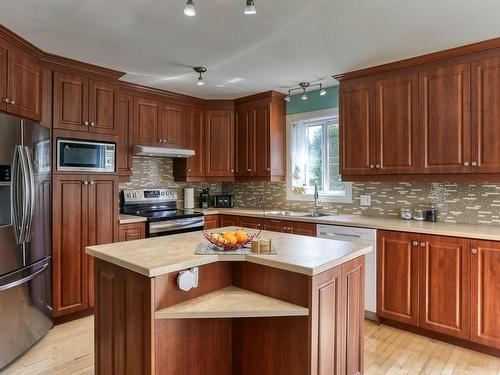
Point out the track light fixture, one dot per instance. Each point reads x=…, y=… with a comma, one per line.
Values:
x=200, y=70
x=190, y=10
x=304, y=86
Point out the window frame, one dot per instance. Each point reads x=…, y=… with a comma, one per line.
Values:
x=331, y=197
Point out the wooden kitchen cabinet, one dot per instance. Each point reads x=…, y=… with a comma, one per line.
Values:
x=84, y=213
x=275, y=225
x=84, y=105
x=192, y=168
x=444, y=285
x=485, y=287
x=173, y=126
x=229, y=221
x=445, y=131
x=131, y=232
x=147, y=119
x=20, y=83
x=251, y=222
x=211, y=222
x=397, y=276
x=293, y=227
x=260, y=137
x=123, y=118
x=219, y=144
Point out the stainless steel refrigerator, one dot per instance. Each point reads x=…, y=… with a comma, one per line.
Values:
x=25, y=236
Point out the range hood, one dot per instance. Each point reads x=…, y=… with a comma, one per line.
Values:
x=162, y=152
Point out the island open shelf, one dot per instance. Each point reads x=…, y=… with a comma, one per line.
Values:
x=231, y=302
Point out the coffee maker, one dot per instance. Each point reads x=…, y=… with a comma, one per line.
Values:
x=204, y=197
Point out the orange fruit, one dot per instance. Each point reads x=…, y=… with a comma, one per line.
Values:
x=241, y=235
x=229, y=236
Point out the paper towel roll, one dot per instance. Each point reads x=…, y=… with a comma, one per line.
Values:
x=189, y=198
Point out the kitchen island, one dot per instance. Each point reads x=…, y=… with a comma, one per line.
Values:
x=298, y=312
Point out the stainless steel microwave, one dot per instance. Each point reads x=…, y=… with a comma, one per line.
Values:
x=85, y=156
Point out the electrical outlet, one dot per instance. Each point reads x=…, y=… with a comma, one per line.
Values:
x=366, y=200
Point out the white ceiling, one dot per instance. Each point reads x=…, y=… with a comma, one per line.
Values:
x=286, y=42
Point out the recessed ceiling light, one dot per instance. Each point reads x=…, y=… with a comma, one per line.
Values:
x=189, y=10
x=250, y=7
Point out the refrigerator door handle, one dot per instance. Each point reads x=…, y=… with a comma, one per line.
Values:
x=25, y=279
x=30, y=194
x=25, y=193
x=16, y=194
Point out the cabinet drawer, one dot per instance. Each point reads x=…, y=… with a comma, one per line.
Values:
x=130, y=232
x=211, y=222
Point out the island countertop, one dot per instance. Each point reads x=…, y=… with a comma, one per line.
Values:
x=160, y=255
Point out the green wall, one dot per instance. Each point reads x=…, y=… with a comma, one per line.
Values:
x=315, y=102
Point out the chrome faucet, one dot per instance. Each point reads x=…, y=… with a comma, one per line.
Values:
x=317, y=206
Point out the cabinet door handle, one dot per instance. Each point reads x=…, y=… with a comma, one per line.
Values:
x=372, y=166
x=377, y=166
x=232, y=170
x=12, y=101
x=422, y=244
x=415, y=243
x=249, y=170
x=474, y=163
x=92, y=123
x=269, y=169
x=85, y=182
x=474, y=251
x=5, y=100
x=466, y=164
x=92, y=182
x=189, y=170
x=86, y=123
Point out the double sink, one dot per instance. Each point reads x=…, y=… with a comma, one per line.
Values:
x=297, y=214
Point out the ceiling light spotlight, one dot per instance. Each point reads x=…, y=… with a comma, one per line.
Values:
x=189, y=10
x=304, y=86
x=304, y=96
x=250, y=7
x=322, y=91
x=200, y=70
x=288, y=98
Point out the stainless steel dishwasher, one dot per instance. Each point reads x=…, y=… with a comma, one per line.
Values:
x=353, y=234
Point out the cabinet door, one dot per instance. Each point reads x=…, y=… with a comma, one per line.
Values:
x=229, y=221
x=444, y=117
x=147, y=116
x=131, y=232
x=24, y=85
x=70, y=102
x=211, y=222
x=70, y=233
x=195, y=140
x=485, y=284
x=245, y=138
x=173, y=126
x=102, y=218
x=444, y=285
x=262, y=148
x=219, y=136
x=101, y=108
x=357, y=132
x=3, y=77
x=485, y=116
x=397, y=276
x=353, y=281
x=274, y=225
x=123, y=121
x=251, y=222
x=304, y=229
x=396, y=125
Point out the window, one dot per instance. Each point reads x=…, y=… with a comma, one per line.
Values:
x=313, y=148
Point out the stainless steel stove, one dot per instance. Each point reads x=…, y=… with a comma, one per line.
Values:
x=159, y=206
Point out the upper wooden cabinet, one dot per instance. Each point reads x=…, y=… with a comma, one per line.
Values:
x=173, y=126
x=20, y=83
x=123, y=119
x=147, y=119
x=219, y=144
x=444, y=99
x=193, y=168
x=260, y=137
x=84, y=105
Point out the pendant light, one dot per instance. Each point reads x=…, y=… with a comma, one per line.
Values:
x=200, y=70
x=190, y=10
x=250, y=7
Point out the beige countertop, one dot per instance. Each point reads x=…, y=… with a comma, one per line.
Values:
x=131, y=219
x=160, y=255
x=485, y=232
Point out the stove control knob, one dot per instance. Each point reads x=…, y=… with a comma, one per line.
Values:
x=163, y=193
x=134, y=195
x=129, y=195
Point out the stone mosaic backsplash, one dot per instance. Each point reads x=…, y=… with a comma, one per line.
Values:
x=158, y=173
x=457, y=203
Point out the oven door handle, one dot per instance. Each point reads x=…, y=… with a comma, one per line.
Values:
x=176, y=224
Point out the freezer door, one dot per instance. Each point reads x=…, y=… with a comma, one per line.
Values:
x=24, y=309
x=11, y=257
x=37, y=151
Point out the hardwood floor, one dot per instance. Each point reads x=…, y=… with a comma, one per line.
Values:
x=68, y=349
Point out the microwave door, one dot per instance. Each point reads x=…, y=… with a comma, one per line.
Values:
x=76, y=156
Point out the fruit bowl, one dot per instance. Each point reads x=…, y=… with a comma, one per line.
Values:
x=230, y=240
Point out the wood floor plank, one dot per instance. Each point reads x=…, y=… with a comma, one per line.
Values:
x=68, y=350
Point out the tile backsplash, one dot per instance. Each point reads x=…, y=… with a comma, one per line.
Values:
x=158, y=172
x=457, y=203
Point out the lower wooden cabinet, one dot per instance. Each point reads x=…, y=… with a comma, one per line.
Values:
x=85, y=213
x=229, y=221
x=273, y=225
x=131, y=232
x=441, y=284
x=211, y=222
